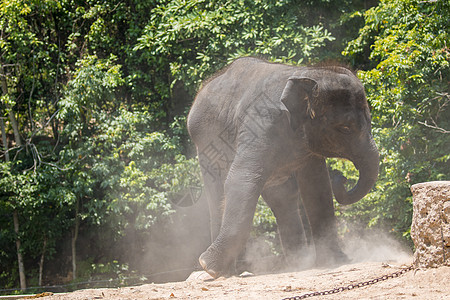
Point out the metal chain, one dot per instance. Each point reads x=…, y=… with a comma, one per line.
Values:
x=352, y=286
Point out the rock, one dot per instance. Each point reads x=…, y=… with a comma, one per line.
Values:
x=430, y=228
x=246, y=274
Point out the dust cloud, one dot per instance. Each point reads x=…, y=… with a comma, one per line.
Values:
x=359, y=244
x=172, y=250
x=375, y=246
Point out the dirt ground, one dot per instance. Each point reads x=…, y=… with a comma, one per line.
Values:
x=414, y=284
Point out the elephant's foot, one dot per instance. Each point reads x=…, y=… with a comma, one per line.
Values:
x=209, y=266
x=331, y=258
x=214, y=264
x=302, y=258
x=340, y=258
x=199, y=275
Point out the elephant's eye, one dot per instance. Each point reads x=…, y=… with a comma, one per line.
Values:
x=344, y=129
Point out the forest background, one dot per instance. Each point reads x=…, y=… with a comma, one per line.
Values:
x=98, y=177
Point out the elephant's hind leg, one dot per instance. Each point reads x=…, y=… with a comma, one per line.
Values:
x=213, y=181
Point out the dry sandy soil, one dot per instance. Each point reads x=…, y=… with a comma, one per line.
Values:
x=415, y=284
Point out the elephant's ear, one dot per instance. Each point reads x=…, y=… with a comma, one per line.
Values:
x=298, y=98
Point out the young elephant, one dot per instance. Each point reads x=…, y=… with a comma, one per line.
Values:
x=265, y=129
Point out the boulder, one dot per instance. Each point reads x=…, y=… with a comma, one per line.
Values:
x=430, y=228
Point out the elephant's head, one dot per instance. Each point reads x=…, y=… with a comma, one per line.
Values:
x=327, y=107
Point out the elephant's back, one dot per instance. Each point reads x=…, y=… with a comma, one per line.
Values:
x=223, y=99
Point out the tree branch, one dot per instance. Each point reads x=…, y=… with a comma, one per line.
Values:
x=442, y=130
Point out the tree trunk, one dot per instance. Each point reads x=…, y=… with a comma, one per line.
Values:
x=12, y=117
x=74, y=240
x=41, y=263
x=2, y=123
x=15, y=127
x=4, y=140
x=23, y=282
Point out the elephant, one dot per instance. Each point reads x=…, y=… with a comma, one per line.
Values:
x=265, y=129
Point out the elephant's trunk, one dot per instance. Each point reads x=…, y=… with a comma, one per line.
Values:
x=368, y=172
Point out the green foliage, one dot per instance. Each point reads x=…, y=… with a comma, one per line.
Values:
x=265, y=226
x=91, y=90
x=127, y=172
x=91, y=149
x=112, y=269
x=407, y=88
x=42, y=203
x=16, y=188
x=192, y=39
x=264, y=220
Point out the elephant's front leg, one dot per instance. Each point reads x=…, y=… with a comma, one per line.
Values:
x=242, y=189
x=317, y=197
x=283, y=201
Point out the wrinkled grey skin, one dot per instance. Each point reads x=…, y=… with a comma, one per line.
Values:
x=266, y=129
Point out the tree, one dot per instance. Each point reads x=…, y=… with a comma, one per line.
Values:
x=404, y=48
